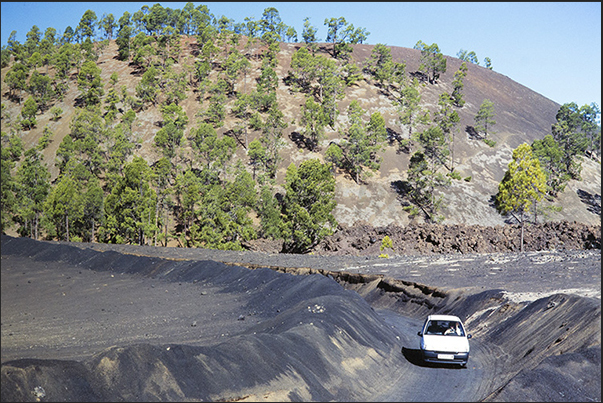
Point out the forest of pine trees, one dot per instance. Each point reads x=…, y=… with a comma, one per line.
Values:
x=198, y=193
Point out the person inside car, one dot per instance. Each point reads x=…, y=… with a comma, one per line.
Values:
x=453, y=329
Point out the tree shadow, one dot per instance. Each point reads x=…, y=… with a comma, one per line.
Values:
x=393, y=136
x=137, y=69
x=302, y=141
x=12, y=97
x=509, y=219
x=419, y=75
x=383, y=89
x=195, y=48
x=79, y=102
x=473, y=133
x=402, y=189
x=592, y=201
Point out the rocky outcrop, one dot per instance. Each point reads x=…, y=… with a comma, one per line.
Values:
x=422, y=239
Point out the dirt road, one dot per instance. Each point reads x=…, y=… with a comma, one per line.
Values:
x=94, y=322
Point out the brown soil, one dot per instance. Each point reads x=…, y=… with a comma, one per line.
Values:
x=522, y=115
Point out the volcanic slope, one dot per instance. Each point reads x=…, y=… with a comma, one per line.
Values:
x=521, y=115
x=84, y=325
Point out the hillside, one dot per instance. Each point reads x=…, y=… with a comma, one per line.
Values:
x=522, y=115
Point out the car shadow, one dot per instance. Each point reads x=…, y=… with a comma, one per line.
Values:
x=415, y=357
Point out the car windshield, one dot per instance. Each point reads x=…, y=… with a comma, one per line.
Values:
x=444, y=327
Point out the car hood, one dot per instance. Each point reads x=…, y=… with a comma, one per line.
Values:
x=445, y=343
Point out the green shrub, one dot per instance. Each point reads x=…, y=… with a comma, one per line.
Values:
x=454, y=175
x=491, y=143
x=386, y=243
x=56, y=113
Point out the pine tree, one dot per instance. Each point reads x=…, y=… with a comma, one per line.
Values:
x=380, y=64
x=269, y=211
x=423, y=180
x=309, y=35
x=590, y=116
x=523, y=185
x=361, y=145
x=147, y=89
x=411, y=114
x=11, y=150
x=313, y=122
x=32, y=187
x=87, y=26
x=16, y=79
x=28, y=112
x=572, y=140
x=458, y=85
x=307, y=206
x=484, y=120
x=433, y=63
x=124, y=35
x=63, y=206
x=130, y=207
x=40, y=87
x=90, y=84
x=447, y=119
x=550, y=156
x=188, y=189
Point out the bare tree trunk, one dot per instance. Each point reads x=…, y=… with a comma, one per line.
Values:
x=452, y=153
x=67, y=227
x=166, y=227
x=156, y=223
x=245, y=92
x=522, y=223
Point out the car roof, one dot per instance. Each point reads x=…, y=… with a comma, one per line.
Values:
x=444, y=317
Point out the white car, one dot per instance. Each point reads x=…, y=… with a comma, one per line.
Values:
x=444, y=340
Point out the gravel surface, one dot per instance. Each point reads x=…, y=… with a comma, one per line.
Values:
x=527, y=275
x=96, y=322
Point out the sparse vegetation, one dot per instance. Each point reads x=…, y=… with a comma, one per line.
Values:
x=201, y=104
x=490, y=142
x=386, y=243
x=454, y=175
x=523, y=185
x=484, y=120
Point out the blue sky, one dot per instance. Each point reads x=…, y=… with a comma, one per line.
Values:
x=552, y=48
